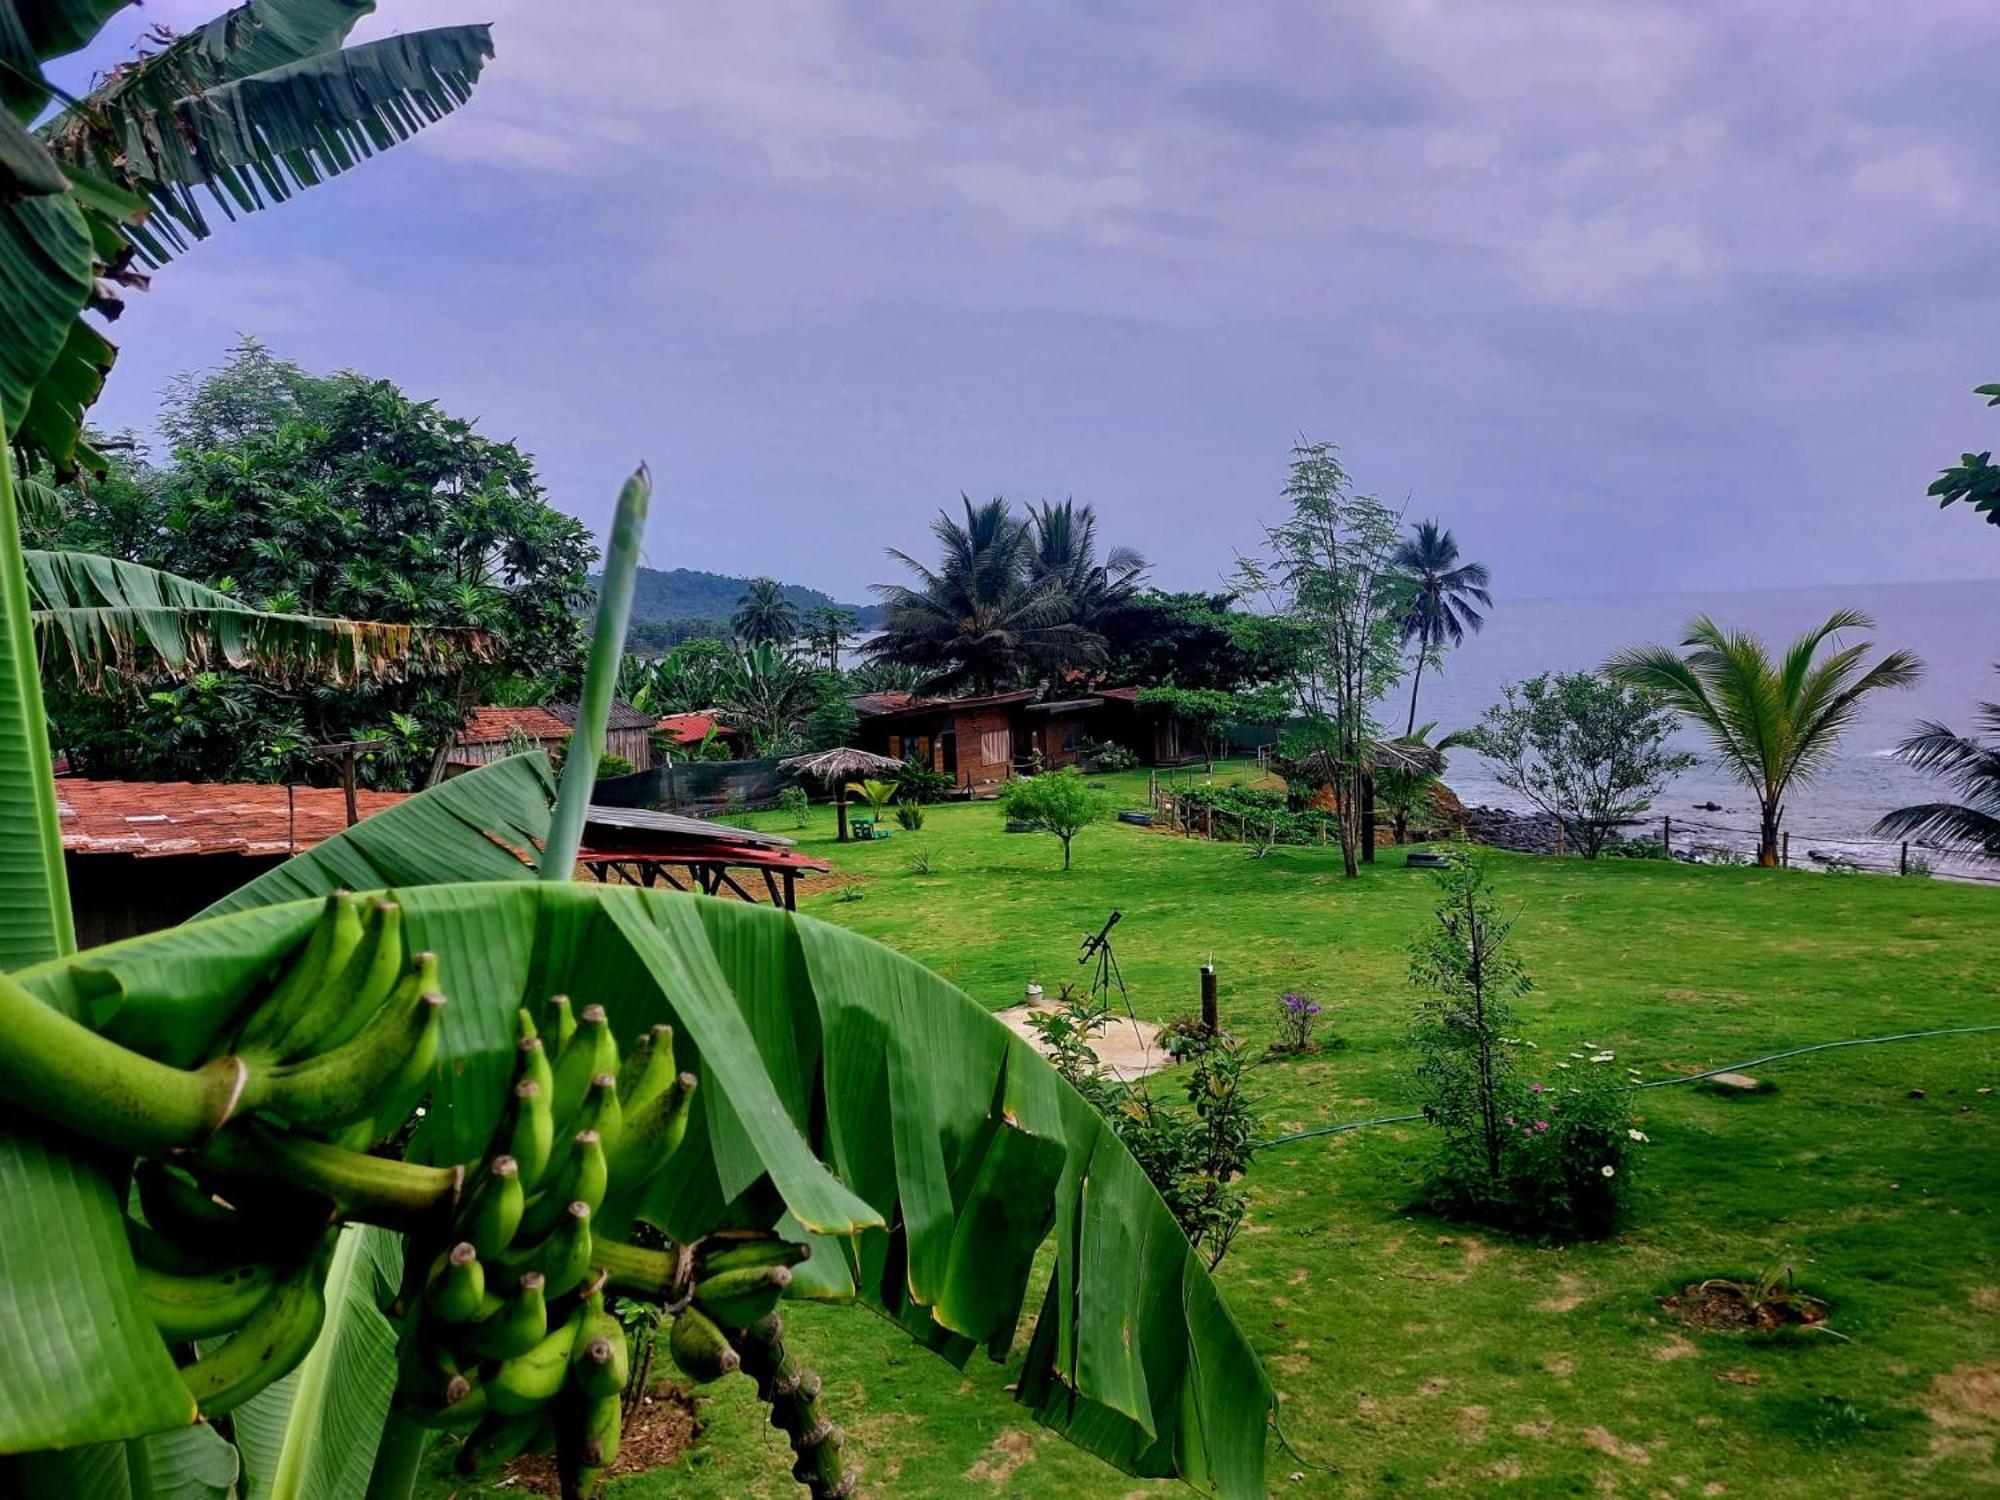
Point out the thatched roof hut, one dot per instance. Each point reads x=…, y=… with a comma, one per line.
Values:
x=835, y=768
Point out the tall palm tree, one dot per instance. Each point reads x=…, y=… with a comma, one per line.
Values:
x=826, y=628
x=976, y=621
x=764, y=615
x=1775, y=724
x=1064, y=549
x=1971, y=768
x=1443, y=592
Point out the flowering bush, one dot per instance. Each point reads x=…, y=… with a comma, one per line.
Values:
x=1297, y=1016
x=1550, y=1157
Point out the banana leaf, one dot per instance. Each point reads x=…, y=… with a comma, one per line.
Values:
x=100, y=616
x=189, y=1463
x=843, y=1087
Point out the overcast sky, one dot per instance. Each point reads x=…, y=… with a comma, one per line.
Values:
x=1635, y=294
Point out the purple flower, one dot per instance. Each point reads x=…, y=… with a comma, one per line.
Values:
x=1534, y=1088
x=1541, y=1124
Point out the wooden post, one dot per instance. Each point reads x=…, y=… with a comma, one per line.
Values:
x=840, y=809
x=1208, y=823
x=1903, y=865
x=347, y=786
x=1211, y=1021
x=1368, y=817
x=1785, y=850
x=1667, y=834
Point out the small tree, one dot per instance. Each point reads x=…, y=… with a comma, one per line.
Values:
x=1586, y=751
x=877, y=792
x=1207, y=711
x=831, y=725
x=1057, y=802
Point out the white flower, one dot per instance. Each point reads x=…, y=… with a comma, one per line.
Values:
x=1577, y=1055
x=1609, y=1171
x=1600, y=1057
x=1562, y=1065
x=1637, y=1135
x=1591, y=1045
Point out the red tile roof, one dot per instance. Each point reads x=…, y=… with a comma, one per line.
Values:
x=153, y=818
x=487, y=725
x=888, y=701
x=691, y=729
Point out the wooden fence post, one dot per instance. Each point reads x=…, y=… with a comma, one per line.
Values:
x=1667, y=834
x=1785, y=850
x=1903, y=865
x=1211, y=1020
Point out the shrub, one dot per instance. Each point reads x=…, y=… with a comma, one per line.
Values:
x=1263, y=818
x=792, y=801
x=921, y=783
x=1549, y=1157
x=910, y=815
x=1108, y=755
x=613, y=765
x=1057, y=802
x=920, y=862
x=1297, y=1016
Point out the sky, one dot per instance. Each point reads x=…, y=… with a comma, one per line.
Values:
x=1632, y=295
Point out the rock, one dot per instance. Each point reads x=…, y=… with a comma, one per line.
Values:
x=1916, y=1093
x=1741, y=1081
x=1708, y=807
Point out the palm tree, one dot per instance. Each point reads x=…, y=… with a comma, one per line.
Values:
x=1065, y=550
x=1972, y=769
x=1775, y=724
x=764, y=615
x=826, y=628
x=977, y=621
x=767, y=698
x=1442, y=594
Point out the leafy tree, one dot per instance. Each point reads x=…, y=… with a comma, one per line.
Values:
x=692, y=677
x=1975, y=478
x=1332, y=574
x=1586, y=751
x=1969, y=767
x=826, y=629
x=1443, y=593
x=764, y=616
x=832, y=724
x=351, y=499
x=1195, y=640
x=977, y=621
x=1207, y=711
x=1057, y=802
x=768, y=697
x=1402, y=788
x=1064, y=551
x=884, y=677
x=1776, y=724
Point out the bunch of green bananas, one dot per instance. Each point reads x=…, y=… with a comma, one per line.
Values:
x=248, y=1164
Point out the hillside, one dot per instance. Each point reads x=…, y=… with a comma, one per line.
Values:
x=688, y=594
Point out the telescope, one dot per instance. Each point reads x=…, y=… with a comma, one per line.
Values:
x=1102, y=936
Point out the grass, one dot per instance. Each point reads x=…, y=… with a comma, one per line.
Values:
x=1420, y=1355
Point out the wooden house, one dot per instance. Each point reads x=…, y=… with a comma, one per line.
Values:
x=491, y=733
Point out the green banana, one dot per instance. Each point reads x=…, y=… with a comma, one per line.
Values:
x=601, y=1112
x=500, y=1440
x=651, y=1134
x=649, y=1070
x=456, y=1287
x=345, y=1085
x=185, y=1308
x=566, y=1255
x=532, y=1062
x=699, y=1348
x=277, y=1011
x=582, y=1178
x=560, y=1022
x=530, y=1381
x=350, y=961
x=602, y=1355
x=153, y=1250
x=274, y=1339
x=514, y=1326
x=599, y=1448
x=432, y=1389
x=524, y=1023
x=528, y=1132
x=494, y=1213
x=738, y=1298
x=379, y=980
x=717, y=1254
x=180, y=1210
x=588, y=1052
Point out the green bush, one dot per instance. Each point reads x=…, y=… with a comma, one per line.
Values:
x=909, y=815
x=792, y=800
x=1057, y=802
x=613, y=765
x=922, y=784
x=1263, y=818
x=1104, y=756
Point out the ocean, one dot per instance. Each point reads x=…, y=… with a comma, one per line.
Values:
x=1954, y=627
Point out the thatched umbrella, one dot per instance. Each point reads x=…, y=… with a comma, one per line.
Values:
x=835, y=768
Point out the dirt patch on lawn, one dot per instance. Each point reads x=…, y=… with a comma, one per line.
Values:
x=1126, y=1049
x=1009, y=1451
x=1966, y=1401
x=1731, y=1307
x=1613, y=1447
x=662, y=1428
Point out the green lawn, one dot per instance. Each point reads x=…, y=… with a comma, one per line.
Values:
x=1417, y=1355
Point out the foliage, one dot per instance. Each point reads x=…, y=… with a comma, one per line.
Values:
x=692, y=677
x=1298, y=1017
x=1541, y=1158
x=764, y=616
x=1195, y=640
x=609, y=765
x=1104, y=756
x=910, y=815
x=831, y=724
x=1057, y=802
x=1405, y=789
x=825, y=628
x=792, y=802
x=1971, y=768
x=340, y=496
x=1587, y=751
x=1207, y=711
x=922, y=863
x=767, y=697
x=1194, y=1155
x=1975, y=478
x=877, y=792
x=1332, y=573
x=919, y=782
x=1255, y=813
x=1775, y=724
x=672, y=605
x=1442, y=600
x=884, y=677
x=1064, y=552
x=982, y=619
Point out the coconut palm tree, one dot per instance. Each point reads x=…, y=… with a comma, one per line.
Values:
x=1776, y=724
x=977, y=621
x=1443, y=592
x=764, y=615
x=1971, y=768
x=1064, y=549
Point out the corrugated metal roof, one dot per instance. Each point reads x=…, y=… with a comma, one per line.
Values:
x=622, y=715
x=150, y=819
x=641, y=820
